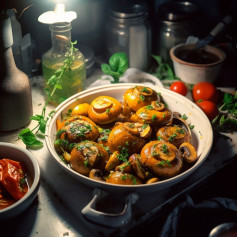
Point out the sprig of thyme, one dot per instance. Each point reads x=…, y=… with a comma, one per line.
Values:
x=55, y=80
x=28, y=136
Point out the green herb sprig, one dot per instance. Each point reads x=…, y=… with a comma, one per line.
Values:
x=55, y=80
x=226, y=120
x=163, y=71
x=118, y=64
x=27, y=135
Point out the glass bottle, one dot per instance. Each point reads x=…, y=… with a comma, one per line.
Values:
x=73, y=79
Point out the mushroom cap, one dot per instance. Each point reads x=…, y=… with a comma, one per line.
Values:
x=162, y=158
x=104, y=109
x=118, y=177
x=139, y=96
x=121, y=138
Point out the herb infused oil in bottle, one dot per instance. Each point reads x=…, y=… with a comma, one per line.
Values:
x=64, y=68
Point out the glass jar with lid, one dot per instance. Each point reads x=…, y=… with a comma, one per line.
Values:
x=177, y=21
x=128, y=30
x=73, y=78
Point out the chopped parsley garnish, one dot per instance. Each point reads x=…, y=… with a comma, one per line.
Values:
x=191, y=126
x=159, y=138
x=130, y=176
x=181, y=131
x=184, y=116
x=67, y=115
x=107, y=111
x=134, y=181
x=86, y=163
x=104, y=134
x=59, y=132
x=172, y=137
x=65, y=144
x=122, y=167
x=153, y=117
x=104, y=138
x=154, y=153
x=80, y=129
x=123, y=177
x=144, y=89
x=123, y=156
x=131, y=125
x=144, y=126
x=149, y=107
x=165, y=148
x=142, y=97
x=163, y=163
x=106, y=148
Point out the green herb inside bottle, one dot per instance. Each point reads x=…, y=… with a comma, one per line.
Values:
x=64, y=68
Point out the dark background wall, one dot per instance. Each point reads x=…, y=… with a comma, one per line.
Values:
x=28, y=11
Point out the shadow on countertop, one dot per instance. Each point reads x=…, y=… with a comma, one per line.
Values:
x=212, y=203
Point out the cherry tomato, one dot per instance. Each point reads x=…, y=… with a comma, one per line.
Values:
x=209, y=108
x=179, y=87
x=205, y=91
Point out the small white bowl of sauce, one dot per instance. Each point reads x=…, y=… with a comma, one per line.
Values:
x=193, y=66
x=19, y=179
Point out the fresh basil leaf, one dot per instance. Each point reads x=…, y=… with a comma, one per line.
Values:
x=42, y=125
x=158, y=59
x=29, y=138
x=169, y=70
x=106, y=69
x=119, y=62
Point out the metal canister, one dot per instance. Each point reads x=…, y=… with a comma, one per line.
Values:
x=177, y=21
x=128, y=30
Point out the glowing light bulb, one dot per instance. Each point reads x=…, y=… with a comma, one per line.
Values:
x=58, y=15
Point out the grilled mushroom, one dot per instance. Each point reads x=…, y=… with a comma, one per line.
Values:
x=123, y=136
x=81, y=109
x=96, y=174
x=113, y=161
x=162, y=158
x=139, y=96
x=134, y=160
x=188, y=151
x=78, y=128
x=152, y=180
x=87, y=155
x=150, y=115
x=104, y=109
x=118, y=177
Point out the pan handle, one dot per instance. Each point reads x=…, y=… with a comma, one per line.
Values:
x=110, y=220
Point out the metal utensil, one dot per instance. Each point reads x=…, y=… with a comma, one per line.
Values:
x=218, y=29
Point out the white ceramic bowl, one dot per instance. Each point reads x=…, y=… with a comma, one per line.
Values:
x=193, y=73
x=202, y=135
x=14, y=152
